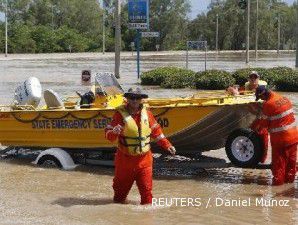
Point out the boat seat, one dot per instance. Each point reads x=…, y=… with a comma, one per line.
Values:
x=52, y=99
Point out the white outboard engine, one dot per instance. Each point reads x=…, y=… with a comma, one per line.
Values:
x=28, y=93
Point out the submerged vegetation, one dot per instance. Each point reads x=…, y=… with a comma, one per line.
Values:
x=214, y=80
x=278, y=78
x=169, y=77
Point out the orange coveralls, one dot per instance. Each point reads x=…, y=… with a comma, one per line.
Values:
x=138, y=168
x=263, y=134
x=279, y=119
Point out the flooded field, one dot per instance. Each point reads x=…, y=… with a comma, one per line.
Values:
x=33, y=195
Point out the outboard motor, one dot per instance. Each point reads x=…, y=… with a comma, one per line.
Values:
x=28, y=93
x=86, y=99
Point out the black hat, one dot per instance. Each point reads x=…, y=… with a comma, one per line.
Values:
x=137, y=92
x=260, y=91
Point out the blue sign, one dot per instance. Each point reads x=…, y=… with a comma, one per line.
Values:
x=138, y=14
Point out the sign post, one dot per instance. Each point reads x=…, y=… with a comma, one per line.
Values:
x=117, y=38
x=138, y=16
x=196, y=45
x=132, y=46
x=157, y=47
x=138, y=40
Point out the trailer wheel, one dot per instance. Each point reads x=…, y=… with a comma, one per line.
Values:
x=244, y=148
x=49, y=161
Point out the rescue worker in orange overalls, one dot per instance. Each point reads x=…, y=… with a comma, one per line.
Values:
x=279, y=119
x=134, y=126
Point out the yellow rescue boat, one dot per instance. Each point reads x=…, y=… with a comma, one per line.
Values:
x=194, y=124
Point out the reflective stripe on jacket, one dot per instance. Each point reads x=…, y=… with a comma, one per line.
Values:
x=279, y=113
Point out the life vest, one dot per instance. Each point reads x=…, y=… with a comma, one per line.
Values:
x=134, y=140
x=280, y=114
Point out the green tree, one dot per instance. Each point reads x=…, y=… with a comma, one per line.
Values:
x=232, y=24
x=71, y=39
x=169, y=17
x=20, y=40
x=45, y=39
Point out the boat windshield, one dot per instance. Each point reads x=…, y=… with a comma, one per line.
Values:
x=107, y=84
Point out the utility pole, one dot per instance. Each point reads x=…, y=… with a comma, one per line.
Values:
x=52, y=16
x=257, y=32
x=103, y=27
x=117, y=38
x=216, y=39
x=297, y=34
x=6, y=36
x=278, y=34
x=247, y=32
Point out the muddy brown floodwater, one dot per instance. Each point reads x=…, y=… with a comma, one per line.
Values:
x=184, y=195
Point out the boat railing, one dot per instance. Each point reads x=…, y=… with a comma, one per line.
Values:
x=69, y=98
x=17, y=107
x=203, y=100
x=32, y=108
x=220, y=94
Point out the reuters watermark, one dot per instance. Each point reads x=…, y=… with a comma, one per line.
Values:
x=219, y=202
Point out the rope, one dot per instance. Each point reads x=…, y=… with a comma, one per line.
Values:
x=25, y=121
x=52, y=118
x=78, y=118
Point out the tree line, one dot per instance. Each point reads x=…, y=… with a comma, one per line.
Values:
x=41, y=26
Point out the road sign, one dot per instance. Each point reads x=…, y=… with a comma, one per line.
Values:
x=138, y=14
x=196, y=44
x=150, y=34
x=86, y=75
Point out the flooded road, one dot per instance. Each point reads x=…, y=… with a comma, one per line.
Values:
x=33, y=195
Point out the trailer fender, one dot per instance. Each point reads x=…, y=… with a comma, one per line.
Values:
x=62, y=156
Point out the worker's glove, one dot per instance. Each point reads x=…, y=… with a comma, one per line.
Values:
x=117, y=129
x=172, y=150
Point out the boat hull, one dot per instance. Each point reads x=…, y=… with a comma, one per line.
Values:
x=211, y=132
x=189, y=128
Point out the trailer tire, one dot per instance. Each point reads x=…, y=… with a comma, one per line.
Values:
x=49, y=161
x=244, y=148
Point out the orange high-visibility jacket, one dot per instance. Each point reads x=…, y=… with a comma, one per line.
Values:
x=156, y=134
x=279, y=118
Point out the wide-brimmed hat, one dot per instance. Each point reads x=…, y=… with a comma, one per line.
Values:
x=260, y=91
x=254, y=73
x=137, y=92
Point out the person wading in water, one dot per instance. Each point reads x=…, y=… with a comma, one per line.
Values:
x=133, y=126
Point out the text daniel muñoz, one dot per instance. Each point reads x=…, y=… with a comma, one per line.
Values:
x=220, y=202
